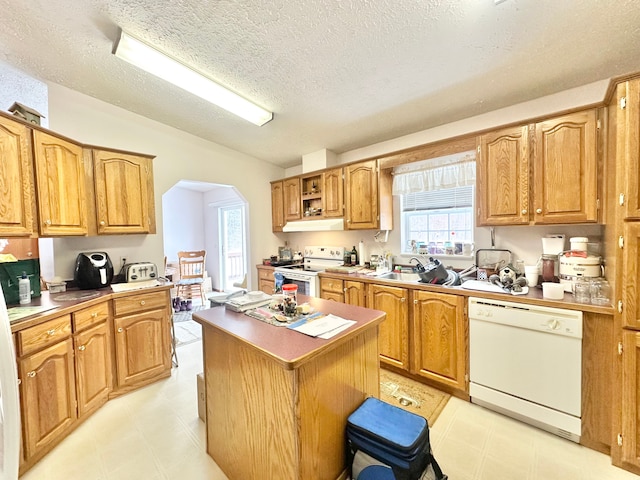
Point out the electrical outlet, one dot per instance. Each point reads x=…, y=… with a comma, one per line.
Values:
x=123, y=261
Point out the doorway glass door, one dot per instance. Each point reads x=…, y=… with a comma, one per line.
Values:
x=232, y=246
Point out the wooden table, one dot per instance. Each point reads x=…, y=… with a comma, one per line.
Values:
x=277, y=400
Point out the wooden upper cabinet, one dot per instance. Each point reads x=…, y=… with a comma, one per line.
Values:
x=60, y=184
x=361, y=195
x=503, y=177
x=16, y=180
x=277, y=206
x=124, y=193
x=565, y=169
x=629, y=121
x=291, y=196
x=630, y=279
x=333, y=193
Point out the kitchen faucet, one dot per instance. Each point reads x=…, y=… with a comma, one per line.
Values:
x=420, y=267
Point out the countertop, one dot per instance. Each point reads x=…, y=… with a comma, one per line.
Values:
x=56, y=304
x=288, y=347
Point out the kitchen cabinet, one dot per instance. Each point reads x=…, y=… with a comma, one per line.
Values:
x=332, y=289
x=630, y=275
x=350, y=292
x=123, y=193
x=333, y=193
x=277, y=206
x=291, y=196
x=92, y=347
x=266, y=281
x=142, y=339
x=559, y=156
x=47, y=389
x=312, y=195
x=503, y=177
x=16, y=179
x=394, y=331
x=439, y=333
x=367, y=197
x=628, y=107
x=355, y=293
x=60, y=185
x=628, y=438
x=565, y=169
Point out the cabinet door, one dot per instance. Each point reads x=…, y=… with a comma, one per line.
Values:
x=16, y=177
x=93, y=368
x=277, y=206
x=333, y=201
x=48, y=395
x=361, y=194
x=124, y=193
x=60, y=184
x=393, y=336
x=630, y=449
x=292, y=201
x=630, y=275
x=354, y=293
x=503, y=177
x=438, y=349
x=141, y=346
x=629, y=122
x=565, y=169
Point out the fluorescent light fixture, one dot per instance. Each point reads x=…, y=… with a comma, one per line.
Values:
x=159, y=64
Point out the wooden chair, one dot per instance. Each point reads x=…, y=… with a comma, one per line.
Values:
x=191, y=267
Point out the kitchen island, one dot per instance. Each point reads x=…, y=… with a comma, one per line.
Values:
x=277, y=400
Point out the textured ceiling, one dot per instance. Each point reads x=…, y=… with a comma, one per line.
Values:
x=338, y=74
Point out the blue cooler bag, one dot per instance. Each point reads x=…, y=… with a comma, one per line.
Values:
x=389, y=436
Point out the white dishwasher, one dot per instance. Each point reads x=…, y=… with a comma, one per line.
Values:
x=525, y=361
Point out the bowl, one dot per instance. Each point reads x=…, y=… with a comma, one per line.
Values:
x=255, y=294
x=553, y=291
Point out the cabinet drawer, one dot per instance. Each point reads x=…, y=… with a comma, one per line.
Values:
x=40, y=336
x=331, y=285
x=90, y=316
x=140, y=302
x=265, y=274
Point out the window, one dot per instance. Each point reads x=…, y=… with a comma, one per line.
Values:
x=437, y=204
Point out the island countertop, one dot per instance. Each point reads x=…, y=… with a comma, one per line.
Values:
x=289, y=348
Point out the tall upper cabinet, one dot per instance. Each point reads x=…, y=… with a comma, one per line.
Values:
x=368, y=202
x=16, y=180
x=543, y=173
x=277, y=206
x=60, y=185
x=123, y=191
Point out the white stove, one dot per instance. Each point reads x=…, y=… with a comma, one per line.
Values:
x=316, y=260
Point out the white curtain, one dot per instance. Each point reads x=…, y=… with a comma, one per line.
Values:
x=435, y=174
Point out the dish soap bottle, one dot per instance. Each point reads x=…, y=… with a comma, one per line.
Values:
x=24, y=289
x=354, y=256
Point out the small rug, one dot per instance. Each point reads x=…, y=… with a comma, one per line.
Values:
x=412, y=396
x=186, y=315
x=187, y=330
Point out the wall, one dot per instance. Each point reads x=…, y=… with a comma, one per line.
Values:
x=523, y=241
x=183, y=220
x=179, y=155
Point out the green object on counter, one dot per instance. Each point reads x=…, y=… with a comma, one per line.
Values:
x=10, y=273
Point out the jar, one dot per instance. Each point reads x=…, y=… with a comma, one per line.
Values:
x=290, y=299
x=548, y=267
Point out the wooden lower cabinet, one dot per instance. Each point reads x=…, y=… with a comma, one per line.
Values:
x=355, y=293
x=266, y=282
x=439, y=333
x=393, y=336
x=628, y=437
x=332, y=289
x=344, y=291
x=48, y=396
x=93, y=368
x=141, y=347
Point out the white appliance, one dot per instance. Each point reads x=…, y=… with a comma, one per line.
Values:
x=305, y=275
x=525, y=361
x=9, y=400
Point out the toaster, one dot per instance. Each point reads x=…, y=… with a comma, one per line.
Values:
x=138, y=272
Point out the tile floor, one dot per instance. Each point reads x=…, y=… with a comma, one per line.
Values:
x=154, y=433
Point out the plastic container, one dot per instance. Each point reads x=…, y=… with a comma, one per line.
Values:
x=289, y=299
x=579, y=243
x=553, y=244
x=531, y=273
x=552, y=291
x=24, y=289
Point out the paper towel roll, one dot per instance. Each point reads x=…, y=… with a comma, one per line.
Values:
x=361, y=256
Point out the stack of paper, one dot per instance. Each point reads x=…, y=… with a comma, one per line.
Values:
x=247, y=302
x=321, y=326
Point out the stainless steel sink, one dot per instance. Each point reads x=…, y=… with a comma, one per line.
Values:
x=400, y=276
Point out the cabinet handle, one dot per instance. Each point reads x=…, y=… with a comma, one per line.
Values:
x=47, y=222
x=403, y=299
x=538, y=210
x=142, y=302
x=102, y=222
x=344, y=289
x=120, y=330
x=31, y=374
x=94, y=314
x=51, y=332
x=82, y=348
x=19, y=381
x=524, y=211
